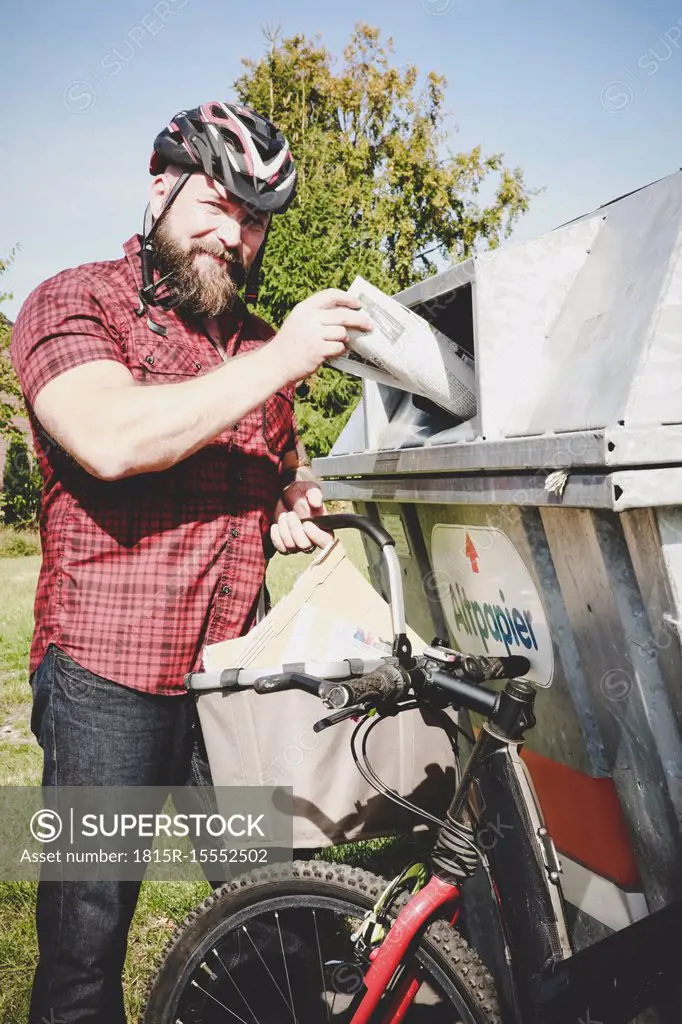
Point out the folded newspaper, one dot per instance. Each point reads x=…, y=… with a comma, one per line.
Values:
x=404, y=351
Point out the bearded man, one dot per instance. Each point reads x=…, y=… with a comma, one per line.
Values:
x=163, y=421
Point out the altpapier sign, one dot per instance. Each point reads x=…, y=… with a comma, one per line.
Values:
x=490, y=601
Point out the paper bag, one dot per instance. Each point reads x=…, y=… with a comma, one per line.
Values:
x=331, y=613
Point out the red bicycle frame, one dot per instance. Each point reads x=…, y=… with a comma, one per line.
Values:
x=435, y=895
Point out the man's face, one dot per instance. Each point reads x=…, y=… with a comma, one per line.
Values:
x=207, y=240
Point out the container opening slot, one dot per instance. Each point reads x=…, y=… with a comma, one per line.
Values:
x=452, y=313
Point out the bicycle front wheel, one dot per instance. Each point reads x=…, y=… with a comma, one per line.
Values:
x=275, y=947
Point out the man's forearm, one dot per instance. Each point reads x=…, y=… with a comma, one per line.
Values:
x=148, y=428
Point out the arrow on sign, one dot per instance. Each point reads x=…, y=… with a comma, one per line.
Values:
x=471, y=553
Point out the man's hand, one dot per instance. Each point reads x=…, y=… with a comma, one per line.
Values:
x=315, y=330
x=302, y=499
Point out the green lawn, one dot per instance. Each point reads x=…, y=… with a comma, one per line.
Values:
x=161, y=904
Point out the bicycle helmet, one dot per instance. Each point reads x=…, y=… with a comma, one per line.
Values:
x=238, y=148
x=234, y=145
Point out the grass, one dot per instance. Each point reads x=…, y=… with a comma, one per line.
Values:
x=20, y=756
x=15, y=543
x=161, y=904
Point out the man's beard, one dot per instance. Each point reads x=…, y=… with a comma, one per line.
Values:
x=206, y=290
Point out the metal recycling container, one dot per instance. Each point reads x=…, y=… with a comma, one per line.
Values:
x=551, y=524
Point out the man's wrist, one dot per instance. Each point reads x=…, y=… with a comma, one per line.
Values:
x=302, y=455
x=275, y=355
x=297, y=475
x=291, y=472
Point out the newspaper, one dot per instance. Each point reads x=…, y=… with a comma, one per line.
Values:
x=404, y=351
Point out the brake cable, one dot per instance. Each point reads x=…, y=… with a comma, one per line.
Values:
x=459, y=832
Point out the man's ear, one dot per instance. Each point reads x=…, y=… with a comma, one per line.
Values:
x=158, y=190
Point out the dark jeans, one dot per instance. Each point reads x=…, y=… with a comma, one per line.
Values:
x=95, y=732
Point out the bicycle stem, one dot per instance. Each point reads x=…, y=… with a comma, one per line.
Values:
x=511, y=716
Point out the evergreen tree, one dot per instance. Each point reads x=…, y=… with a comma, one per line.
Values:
x=379, y=193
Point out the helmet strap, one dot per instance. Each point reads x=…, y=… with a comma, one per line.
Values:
x=253, y=277
x=147, y=294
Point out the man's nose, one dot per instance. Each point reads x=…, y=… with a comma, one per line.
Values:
x=230, y=233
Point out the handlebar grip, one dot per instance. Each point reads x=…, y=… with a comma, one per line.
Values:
x=388, y=684
x=340, y=520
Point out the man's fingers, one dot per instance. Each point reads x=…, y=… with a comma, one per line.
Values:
x=329, y=297
x=277, y=542
x=333, y=332
x=297, y=498
x=288, y=540
x=297, y=532
x=334, y=349
x=292, y=532
x=289, y=534
x=301, y=507
x=284, y=532
x=321, y=538
x=354, y=318
x=315, y=497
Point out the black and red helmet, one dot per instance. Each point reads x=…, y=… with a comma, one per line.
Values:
x=237, y=147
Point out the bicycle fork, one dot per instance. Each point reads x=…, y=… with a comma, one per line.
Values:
x=421, y=909
x=522, y=863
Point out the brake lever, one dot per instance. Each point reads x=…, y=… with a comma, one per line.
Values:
x=287, y=681
x=339, y=716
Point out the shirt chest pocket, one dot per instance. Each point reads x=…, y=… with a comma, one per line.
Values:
x=156, y=360
x=165, y=365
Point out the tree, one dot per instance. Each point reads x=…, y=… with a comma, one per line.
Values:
x=379, y=193
x=11, y=401
x=21, y=486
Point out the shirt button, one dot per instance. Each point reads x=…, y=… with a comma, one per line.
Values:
x=197, y=366
x=234, y=531
x=235, y=426
x=150, y=360
x=225, y=589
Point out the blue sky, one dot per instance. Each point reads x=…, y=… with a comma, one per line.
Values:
x=584, y=95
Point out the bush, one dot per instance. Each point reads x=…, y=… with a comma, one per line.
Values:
x=17, y=543
x=22, y=484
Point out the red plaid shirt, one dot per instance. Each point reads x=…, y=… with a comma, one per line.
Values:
x=138, y=574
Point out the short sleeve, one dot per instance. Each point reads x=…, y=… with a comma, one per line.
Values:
x=62, y=324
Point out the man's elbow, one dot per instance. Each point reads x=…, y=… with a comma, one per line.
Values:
x=102, y=461
x=117, y=461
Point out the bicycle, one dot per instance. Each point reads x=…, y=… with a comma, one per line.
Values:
x=314, y=941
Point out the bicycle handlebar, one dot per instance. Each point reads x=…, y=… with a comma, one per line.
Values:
x=388, y=684
x=469, y=695
x=350, y=520
x=353, y=521
x=479, y=668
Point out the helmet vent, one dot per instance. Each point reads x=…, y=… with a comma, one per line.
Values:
x=232, y=140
